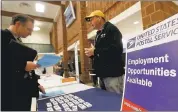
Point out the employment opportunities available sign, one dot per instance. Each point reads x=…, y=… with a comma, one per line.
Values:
x=151, y=81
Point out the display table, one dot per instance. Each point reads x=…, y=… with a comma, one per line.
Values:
x=52, y=80
x=101, y=100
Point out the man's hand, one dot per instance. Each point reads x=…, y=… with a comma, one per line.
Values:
x=57, y=67
x=42, y=89
x=90, y=51
x=30, y=66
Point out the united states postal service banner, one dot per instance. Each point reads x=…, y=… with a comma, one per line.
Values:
x=151, y=81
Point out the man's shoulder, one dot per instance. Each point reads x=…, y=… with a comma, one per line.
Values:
x=6, y=36
x=111, y=26
x=5, y=32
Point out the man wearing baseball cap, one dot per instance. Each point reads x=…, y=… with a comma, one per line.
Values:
x=107, y=52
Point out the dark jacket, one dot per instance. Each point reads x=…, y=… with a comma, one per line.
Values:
x=14, y=86
x=61, y=71
x=108, y=52
x=32, y=84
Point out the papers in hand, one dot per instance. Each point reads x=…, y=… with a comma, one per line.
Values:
x=48, y=60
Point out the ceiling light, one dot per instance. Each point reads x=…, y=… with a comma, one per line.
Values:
x=136, y=22
x=39, y=7
x=36, y=28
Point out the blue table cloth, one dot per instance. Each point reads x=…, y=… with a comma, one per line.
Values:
x=101, y=100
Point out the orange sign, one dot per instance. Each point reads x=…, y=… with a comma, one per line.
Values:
x=70, y=79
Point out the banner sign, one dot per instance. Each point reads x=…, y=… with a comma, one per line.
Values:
x=151, y=81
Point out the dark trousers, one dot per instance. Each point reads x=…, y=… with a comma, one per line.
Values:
x=101, y=82
x=95, y=82
x=102, y=86
x=21, y=104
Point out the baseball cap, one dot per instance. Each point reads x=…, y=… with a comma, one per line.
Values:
x=94, y=13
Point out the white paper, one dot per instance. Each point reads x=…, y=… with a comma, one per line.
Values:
x=82, y=106
x=60, y=101
x=56, y=107
x=52, y=99
x=76, y=97
x=65, y=105
x=87, y=104
x=81, y=101
x=71, y=95
x=70, y=104
x=66, y=100
x=50, y=109
x=48, y=104
x=67, y=109
x=74, y=108
x=55, y=103
x=71, y=99
x=75, y=102
x=61, y=97
x=56, y=98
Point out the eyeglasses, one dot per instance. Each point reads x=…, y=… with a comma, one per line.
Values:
x=28, y=29
x=93, y=17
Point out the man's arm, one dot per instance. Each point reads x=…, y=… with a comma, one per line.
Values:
x=41, y=88
x=24, y=65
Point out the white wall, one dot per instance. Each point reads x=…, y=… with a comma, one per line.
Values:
x=3, y=26
x=127, y=26
x=38, y=37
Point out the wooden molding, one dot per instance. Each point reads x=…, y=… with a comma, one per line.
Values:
x=10, y=14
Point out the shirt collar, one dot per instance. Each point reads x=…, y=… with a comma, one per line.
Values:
x=102, y=27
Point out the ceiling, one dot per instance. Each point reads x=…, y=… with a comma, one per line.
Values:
x=50, y=12
x=50, y=9
x=176, y=2
x=127, y=26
